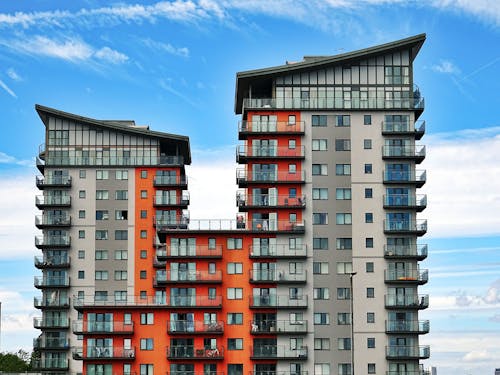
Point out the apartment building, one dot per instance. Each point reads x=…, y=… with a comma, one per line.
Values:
x=318, y=273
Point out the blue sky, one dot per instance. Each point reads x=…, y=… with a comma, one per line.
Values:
x=172, y=65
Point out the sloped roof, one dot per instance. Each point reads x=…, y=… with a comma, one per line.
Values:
x=243, y=79
x=124, y=126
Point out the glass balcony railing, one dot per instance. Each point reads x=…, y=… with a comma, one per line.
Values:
x=114, y=327
x=103, y=352
x=243, y=177
x=403, y=128
x=393, y=301
x=46, y=322
x=51, y=281
x=417, y=177
x=407, y=276
x=409, y=372
x=164, y=252
x=56, y=181
x=416, y=152
x=415, y=251
x=182, y=200
x=169, y=277
x=407, y=352
x=418, y=227
x=283, y=301
x=52, y=201
x=189, y=352
x=407, y=326
x=53, y=241
x=271, y=127
x=170, y=181
x=111, y=161
x=238, y=224
x=51, y=301
x=42, y=221
x=52, y=262
x=278, y=352
x=278, y=251
x=182, y=327
x=48, y=343
x=275, y=276
x=394, y=201
x=278, y=326
x=244, y=152
x=47, y=364
x=278, y=373
x=266, y=200
x=153, y=301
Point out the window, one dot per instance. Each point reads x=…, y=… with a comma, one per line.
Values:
x=144, y=254
x=146, y=369
x=81, y=194
x=321, y=318
x=211, y=244
x=120, y=275
x=343, y=219
x=318, y=120
x=234, y=293
x=121, y=254
x=371, y=368
x=343, y=193
x=101, y=175
x=343, y=169
x=234, y=318
x=143, y=274
x=235, y=344
x=101, y=275
x=234, y=243
x=144, y=234
x=121, y=215
x=81, y=275
x=58, y=137
x=370, y=342
x=144, y=194
x=235, y=369
x=292, y=192
x=321, y=369
x=83, y=173
x=344, y=343
x=319, y=145
x=320, y=218
x=369, y=242
x=370, y=317
x=321, y=344
x=81, y=214
x=292, y=144
x=121, y=175
x=121, y=234
x=320, y=193
x=101, y=254
x=320, y=268
x=321, y=293
x=234, y=268
x=102, y=215
x=344, y=368
x=320, y=169
x=144, y=174
x=146, y=344
x=101, y=195
x=344, y=267
x=121, y=295
x=368, y=193
x=344, y=244
x=211, y=268
x=291, y=119
x=121, y=194
x=368, y=168
x=342, y=145
x=370, y=267
x=367, y=144
x=370, y=292
x=320, y=243
x=144, y=214
x=81, y=254
x=367, y=120
x=81, y=234
x=368, y=217
x=342, y=120
x=292, y=168
x=147, y=318
x=343, y=293
x=143, y=294
x=101, y=295
x=343, y=318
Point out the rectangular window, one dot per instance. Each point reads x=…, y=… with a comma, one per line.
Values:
x=121, y=234
x=102, y=215
x=318, y=120
x=367, y=144
x=343, y=318
x=83, y=173
x=342, y=145
x=369, y=242
x=320, y=169
x=147, y=318
x=368, y=193
x=368, y=217
x=367, y=120
x=370, y=267
x=370, y=342
x=147, y=344
x=101, y=195
x=81, y=254
x=121, y=195
x=120, y=275
x=319, y=145
x=321, y=293
x=342, y=120
x=121, y=175
x=321, y=318
x=101, y=254
x=81, y=275
x=370, y=317
x=368, y=168
x=321, y=369
x=343, y=194
x=321, y=344
x=146, y=369
x=101, y=275
x=370, y=292
x=101, y=234
x=343, y=169
x=144, y=234
x=372, y=368
x=101, y=175
x=234, y=268
x=235, y=344
x=320, y=193
x=81, y=234
x=81, y=194
x=144, y=254
x=235, y=318
x=344, y=244
x=144, y=174
x=344, y=343
x=81, y=214
x=343, y=293
x=234, y=243
x=235, y=369
x=343, y=219
x=320, y=218
x=121, y=215
x=144, y=214
x=144, y=194
x=344, y=369
x=320, y=243
x=344, y=267
x=234, y=293
x=320, y=268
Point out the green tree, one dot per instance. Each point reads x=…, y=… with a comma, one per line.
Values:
x=15, y=362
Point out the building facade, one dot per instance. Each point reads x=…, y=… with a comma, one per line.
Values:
x=318, y=273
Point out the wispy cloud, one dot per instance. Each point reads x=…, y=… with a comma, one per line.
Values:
x=13, y=75
x=4, y=86
x=487, y=10
x=110, y=55
x=166, y=85
x=446, y=67
x=166, y=47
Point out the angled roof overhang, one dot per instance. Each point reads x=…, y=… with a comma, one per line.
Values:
x=244, y=79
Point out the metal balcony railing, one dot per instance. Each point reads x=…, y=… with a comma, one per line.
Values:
x=197, y=251
x=51, y=281
x=266, y=200
x=416, y=152
x=417, y=227
x=278, y=326
x=277, y=276
x=283, y=301
x=405, y=201
x=244, y=152
x=190, y=352
x=271, y=127
x=42, y=221
x=278, y=352
x=407, y=326
x=53, y=241
x=48, y=343
x=114, y=327
x=393, y=301
x=59, y=181
x=407, y=352
x=170, y=181
x=112, y=161
x=52, y=261
x=278, y=251
x=49, y=301
x=415, y=251
x=103, y=352
x=48, y=364
x=405, y=127
x=166, y=277
x=153, y=301
x=244, y=177
x=406, y=276
x=238, y=224
x=55, y=201
x=195, y=327
x=45, y=322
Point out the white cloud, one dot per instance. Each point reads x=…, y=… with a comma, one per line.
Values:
x=488, y=10
x=10, y=92
x=446, y=67
x=8, y=159
x=478, y=355
x=112, y=56
x=167, y=47
x=13, y=75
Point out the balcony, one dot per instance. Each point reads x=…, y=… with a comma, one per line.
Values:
x=133, y=302
x=409, y=372
x=52, y=282
x=46, y=221
x=50, y=323
x=416, y=251
x=166, y=223
x=414, y=227
x=189, y=252
x=277, y=327
x=417, y=178
x=416, y=129
x=81, y=327
x=414, y=302
x=405, y=276
x=278, y=352
x=51, y=302
x=278, y=251
x=114, y=161
x=40, y=164
x=103, y=353
x=281, y=301
x=52, y=262
x=189, y=352
x=413, y=152
x=50, y=364
x=407, y=352
x=46, y=343
x=195, y=277
x=248, y=128
x=405, y=201
x=244, y=177
x=278, y=373
x=267, y=201
x=179, y=182
x=279, y=277
x=45, y=201
x=180, y=201
x=245, y=153
x=53, y=181
x=197, y=327
x=407, y=326
x=42, y=242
